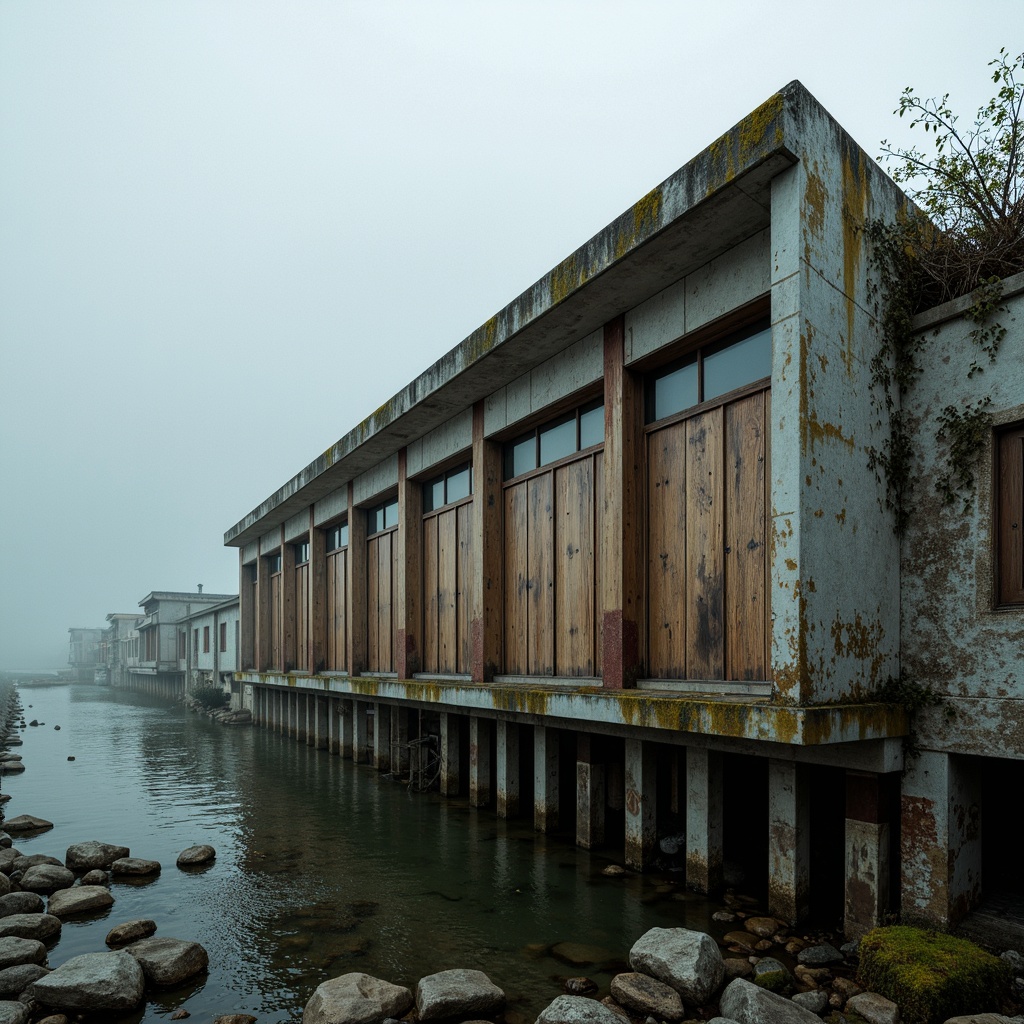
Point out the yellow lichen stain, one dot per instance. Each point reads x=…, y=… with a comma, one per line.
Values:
x=814, y=204
x=811, y=586
x=841, y=517
x=787, y=724
x=566, y=278
x=428, y=693
x=761, y=130
x=818, y=513
x=791, y=564
x=482, y=340
x=854, y=214
x=862, y=641
x=818, y=432
x=365, y=687
x=641, y=222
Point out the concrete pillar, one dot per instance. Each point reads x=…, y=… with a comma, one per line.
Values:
x=704, y=820
x=940, y=839
x=789, y=836
x=641, y=820
x=449, y=754
x=382, y=737
x=508, y=769
x=347, y=720
x=590, y=795
x=333, y=725
x=479, y=761
x=867, y=854
x=360, y=739
x=311, y=705
x=545, y=778
x=321, y=727
x=282, y=712
x=293, y=714
x=400, y=740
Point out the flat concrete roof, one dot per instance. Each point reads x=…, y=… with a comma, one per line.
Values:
x=718, y=199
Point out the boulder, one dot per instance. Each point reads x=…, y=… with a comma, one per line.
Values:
x=20, y=903
x=687, y=960
x=577, y=1010
x=5, y=840
x=95, y=877
x=135, y=866
x=86, y=856
x=9, y=859
x=33, y=859
x=14, y=980
x=580, y=954
x=769, y=973
x=92, y=981
x=13, y=1012
x=874, y=1008
x=764, y=927
x=744, y=1002
x=983, y=1018
x=816, y=956
x=5, y=885
x=14, y=951
x=815, y=1001
x=166, y=962
x=647, y=996
x=195, y=855
x=46, y=878
x=54, y=1018
x=44, y=927
x=356, y=999
x=130, y=931
x=27, y=823
x=79, y=900
x=457, y=993
x=579, y=986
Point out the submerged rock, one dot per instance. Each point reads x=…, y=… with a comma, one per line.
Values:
x=92, y=981
x=166, y=962
x=93, y=854
x=27, y=823
x=647, y=996
x=95, y=877
x=135, y=866
x=687, y=960
x=130, y=931
x=356, y=999
x=196, y=855
x=457, y=993
x=79, y=900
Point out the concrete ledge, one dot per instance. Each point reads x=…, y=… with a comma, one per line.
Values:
x=746, y=718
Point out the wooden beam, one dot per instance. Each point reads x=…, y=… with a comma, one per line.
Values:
x=407, y=573
x=485, y=619
x=356, y=606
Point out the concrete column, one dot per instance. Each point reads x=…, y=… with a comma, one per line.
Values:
x=346, y=722
x=789, y=835
x=382, y=737
x=508, y=769
x=312, y=700
x=449, y=754
x=322, y=728
x=641, y=803
x=486, y=612
x=545, y=778
x=867, y=853
x=360, y=739
x=940, y=839
x=333, y=725
x=282, y=712
x=590, y=795
x=400, y=740
x=479, y=761
x=704, y=816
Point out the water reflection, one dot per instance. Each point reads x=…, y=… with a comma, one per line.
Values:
x=322, y=867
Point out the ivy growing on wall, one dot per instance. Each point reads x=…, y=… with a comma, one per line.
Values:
x=962, y=234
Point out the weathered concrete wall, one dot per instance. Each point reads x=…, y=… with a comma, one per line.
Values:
x=333, y=505
x=297, y=528
x=447, y=441
x=835, y=596
x=377, y=481
x=955, y=637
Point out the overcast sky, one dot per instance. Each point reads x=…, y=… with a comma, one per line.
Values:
x=229, y=231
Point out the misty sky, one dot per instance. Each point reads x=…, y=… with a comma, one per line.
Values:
x=229, y=231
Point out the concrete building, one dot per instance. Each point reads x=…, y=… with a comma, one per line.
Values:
x=620, y=558
x=162, y=661
x=116, y=647
x=208, y=639
x=84, y=652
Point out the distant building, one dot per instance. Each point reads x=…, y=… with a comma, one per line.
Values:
x=84, y=652
x=162, y=662
x=208, y=638
x=116, y=645
x=620, y=556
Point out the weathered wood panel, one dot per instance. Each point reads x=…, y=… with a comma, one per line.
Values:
x=385, y=634
x=302, y=617
x=540, y=576
x=447, y=546
x=276, y=630
x=666, y=551
x=745, y=539
x=430, y=661
x=516, y=579
x=464, y=573
x=337, y=610
x=574, y=568
x=705, y=532
x=598, y=560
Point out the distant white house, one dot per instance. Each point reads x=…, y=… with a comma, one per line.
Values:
x=208, y=639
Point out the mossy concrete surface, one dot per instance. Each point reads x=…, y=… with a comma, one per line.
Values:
x=931, y=976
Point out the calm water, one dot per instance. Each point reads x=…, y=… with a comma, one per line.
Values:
x=322, y=866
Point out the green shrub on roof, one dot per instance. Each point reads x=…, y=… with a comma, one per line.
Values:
x=931, y=976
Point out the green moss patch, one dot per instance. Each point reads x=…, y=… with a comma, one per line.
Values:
x=929, y=975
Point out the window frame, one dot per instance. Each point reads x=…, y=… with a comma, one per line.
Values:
x=336, y=538
x=223, y=637
x=383, y=507
x=573, y=414
x=301, y=549
x=442, y=478
x=206, y=639
x=1008, y=508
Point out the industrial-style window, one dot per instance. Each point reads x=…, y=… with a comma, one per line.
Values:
x=195, y=644
x=224, y=637
x=558, y=439
x=302, y=552
x=711, y=371
x=382, y=517
x=450, y=487
x=206, y=639
x=337, y=537
x=274, y=563
x=181, y=646
x=1009, y=506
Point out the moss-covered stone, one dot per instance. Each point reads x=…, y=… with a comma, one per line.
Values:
x=929, y=975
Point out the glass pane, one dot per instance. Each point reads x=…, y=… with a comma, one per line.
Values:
x=458, y=485
x=592, y=427
x=521, y=456
x=738, y=364
x=391, y=514
x=378, y=519
x=675, y=391
x=433, y=495
x=558, y=441
x=343, y=536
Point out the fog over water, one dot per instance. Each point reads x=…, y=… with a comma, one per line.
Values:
x=229, y=231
